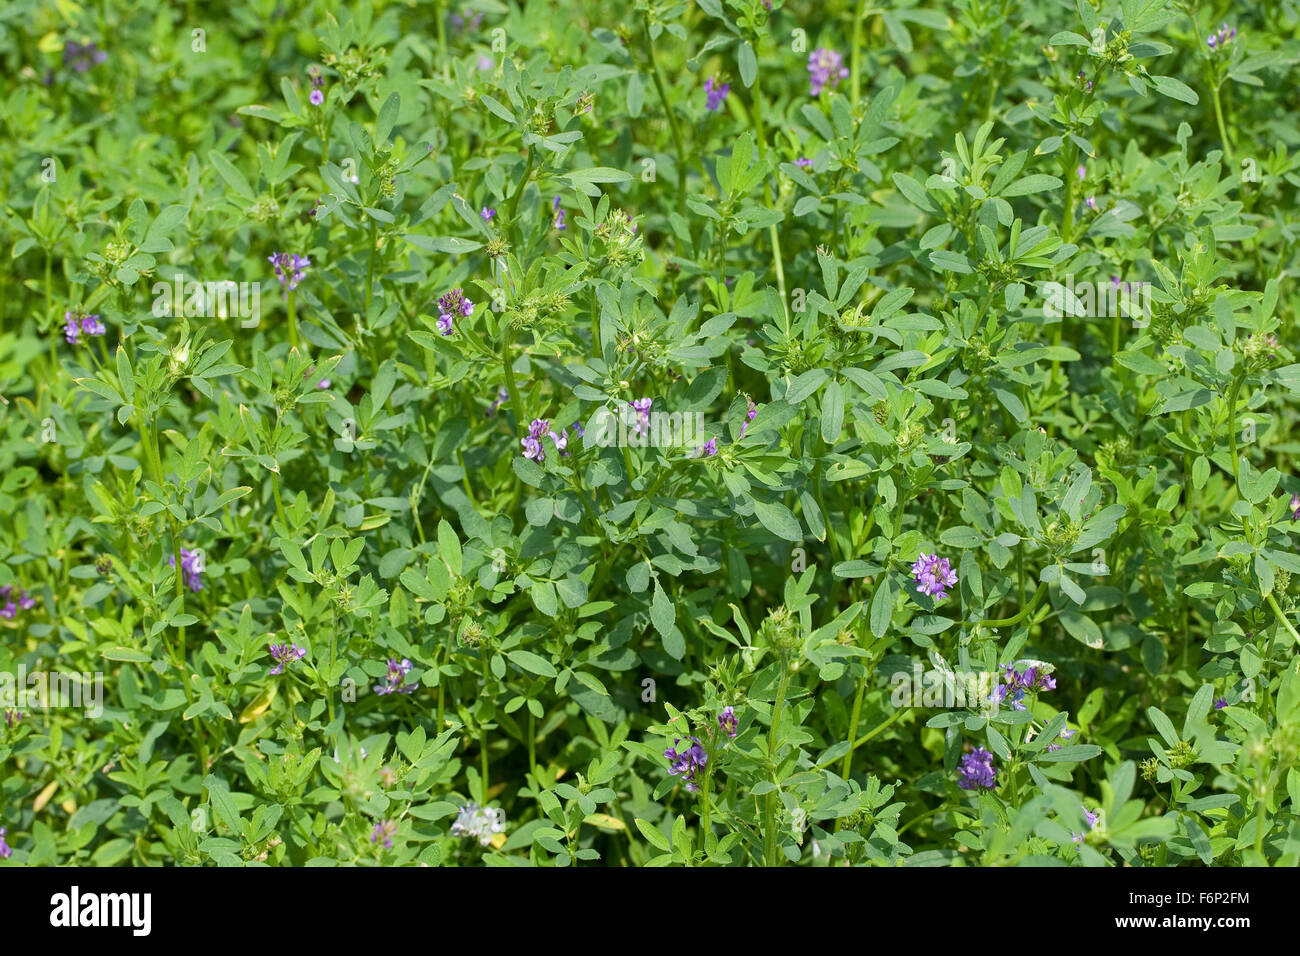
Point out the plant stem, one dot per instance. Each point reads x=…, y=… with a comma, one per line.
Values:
x=770, y=843
x=1232, y=422
x=663, y=98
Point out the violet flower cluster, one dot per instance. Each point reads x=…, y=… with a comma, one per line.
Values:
x=192, y=568
x=284, y=654
x=715, y=93
x=10, y=608
x=76, y=324
x=1015, y=684
x=727, y=721
x=452, y=306
x=641, y=410
x=826, y=67
x=5, y=851
x=317, y=95
x=977, y=770
x=558, y=212
x=82, y=56
x=289, y=268
x=1221, y=38
x=384, y=830
x=933, y=575
x=685, y=763
x=396, y=681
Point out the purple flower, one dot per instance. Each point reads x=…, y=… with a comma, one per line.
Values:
x=82, y=56
x=1220, y=703
x=384, y=830
x=561, y=440
x=1295, y=507
x=191, y=567
x=317, y=97
x=933, y=575
x=5, y=851
x=749, y=417
x=285, y=653
x=641, y=406
x=1083, y=172
x=716, y=93
x=708, y=449
x=25, y=602
x=12, y=717
x=91, y=325
x=803, y=162
x=486, y=214
x=285, y=263
x=577, y=429
x=9, y=611
x=1091, y=202
x=1221, y=38
x=397, y=671
x=452, y=306
x=502, y=397
x=977, y=770
x=533, y=441
x=826, y=67
x=685, y=764
x=1015, y=685
x=558, y=221
x=727, y=721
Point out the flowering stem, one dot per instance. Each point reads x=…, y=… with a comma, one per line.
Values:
x=523, y=183
x=507, y=344
x=770, y=847
x=1232, y=422
x=847, y=765
x=1218, y=115
x=1272, y=602
x=663, y=98
x=293, y=319
x=1024, y=611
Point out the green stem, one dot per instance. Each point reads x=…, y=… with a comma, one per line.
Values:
x=1232, y=423
x=771, y=844
x=663, y=98
x=1272, y=602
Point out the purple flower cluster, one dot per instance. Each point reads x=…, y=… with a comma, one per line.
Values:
x=1015, y=684
x=1220, y=703
x=532, y=443
x=317, y=96
x=933, y=575
x=192, y=567
x=452, y=306
x=641, y=407
x=749, y=417
x=708, y=449
x=502, y=397
x=1065, y=734
x=486, y=214
x=1295, y=507
x=727, y=721
x=5, y=851
x=826, y=67
x=803, y=162
x=1092, y=819
x=1217, y=40
x=558, y=212
x=76, y=324
x=285, y=653
x=10, y=608
x=977, y=770
x=12, y=717
x=82, y=56
x=286, y=263
x=685, y=764
x=397, y=671
x=384, y=830
x=716, y=92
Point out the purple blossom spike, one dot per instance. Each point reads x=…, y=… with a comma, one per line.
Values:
x=289, y=268
x=283, y=654
x=1220, y=703
x=532, y=442
x=1295, y=507
x=452, y=306
x=685, y=763
x=397, y=671
x=384, y=830
x=749, y=417
x=977, y=770
x=5, y=851
x=486, y=214
x=192, y=568
x=558, y=221
x=933, y=575
x=727, y=721
x=826, y=68
x=715, y=93
x=641, y=406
